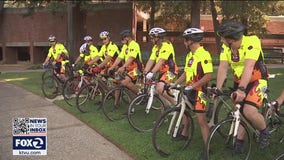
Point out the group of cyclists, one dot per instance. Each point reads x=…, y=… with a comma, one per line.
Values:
x=243, y=54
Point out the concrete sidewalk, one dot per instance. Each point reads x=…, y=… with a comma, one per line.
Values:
x=67, y=137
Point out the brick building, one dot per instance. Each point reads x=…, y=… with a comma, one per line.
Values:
x=24, y=38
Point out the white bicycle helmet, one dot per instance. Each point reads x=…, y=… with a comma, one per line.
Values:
x=104, y=34
x=157, y=32
x=51, y=38
x=88, y=38
x=83, y=48
x=193, y=34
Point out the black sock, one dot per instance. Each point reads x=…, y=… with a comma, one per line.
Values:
x=240, y=141
x=264, y=131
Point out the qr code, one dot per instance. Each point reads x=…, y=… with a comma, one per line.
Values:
x=21, y=126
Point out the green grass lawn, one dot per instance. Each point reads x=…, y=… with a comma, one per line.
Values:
x=137, y=144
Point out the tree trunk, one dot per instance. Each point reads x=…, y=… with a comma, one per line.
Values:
x=216, y=25
x=152, y=14
x=1, y=6
x=1, y=20
x=80, y=30
x=75, y=28
x=70, y=30
x=195, y=14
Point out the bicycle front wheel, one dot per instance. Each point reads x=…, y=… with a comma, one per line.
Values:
x=115, y=103
x=89, y=98
x=141, y=118
x=279, y=156
x=46, y=73
x=50, y=87
x=70, y=89
x=163, y=138
x=222, y=146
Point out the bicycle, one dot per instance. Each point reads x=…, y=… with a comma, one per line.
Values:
x=148, y=105
x=279, y=156
x=168, y=126
x=222, y=145
x=116, y=101
x=74, y=84
x=48, y=71
x=52, y=83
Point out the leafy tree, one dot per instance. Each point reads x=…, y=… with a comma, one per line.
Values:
x=1, y=6
x=173, y=15
x=277, y=8
x=213, y=9
x=242, y=11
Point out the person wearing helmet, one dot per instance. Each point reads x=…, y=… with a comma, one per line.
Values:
x=88, y=53
x=57, y=55
x=162, y=61
x=131, y=56
x=245, y=57
x=109, y=51
x=198, y=71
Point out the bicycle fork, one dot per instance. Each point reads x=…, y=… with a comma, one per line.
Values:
x=177, y=122
x=150, y=100
x=211, y=122
x=235, y=125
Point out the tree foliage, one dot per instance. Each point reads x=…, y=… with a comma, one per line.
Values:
x=253, y=14
x=173, y=15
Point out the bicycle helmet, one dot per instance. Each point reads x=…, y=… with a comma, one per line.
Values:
x=84, y=48
x=125, y=33
x=51, y=38
x=88, y=38
x=231, y=29
x=157, y=32
x=104, y=34
x=193, y=34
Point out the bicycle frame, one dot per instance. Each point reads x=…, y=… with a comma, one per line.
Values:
x=238, y=117
x=183, y=103
x=211, y=122
x=151, y=93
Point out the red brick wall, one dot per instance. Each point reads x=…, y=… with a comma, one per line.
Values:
x=34, y=28
x=113, y=21
x=16, y=28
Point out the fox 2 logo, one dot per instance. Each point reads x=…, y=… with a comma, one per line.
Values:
x=29, y=142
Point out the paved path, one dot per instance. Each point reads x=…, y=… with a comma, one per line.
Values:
x=67, y=137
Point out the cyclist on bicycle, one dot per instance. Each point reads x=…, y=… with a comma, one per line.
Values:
x=58, y=56
x=131, y=56
x=244, y=55
x=109, y=51
x=198, y=71
x=88, y=53
x=87, y=56
x=162, y=61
